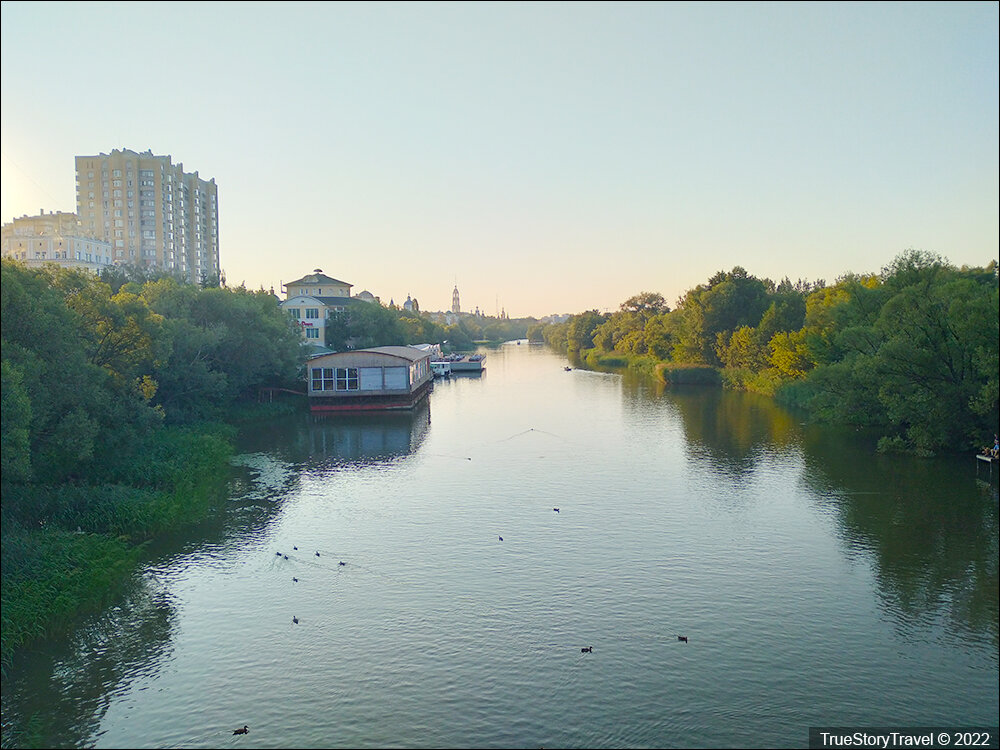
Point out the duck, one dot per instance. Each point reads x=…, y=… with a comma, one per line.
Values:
x=294, y=547
x=295, y=619
x=501, y=538
x=587, y=650
x=317, y=554
x=244, y=730
x=556, y=510
x=285, y=556
x=278, y=554
x=682, y=638
x=341, y=563
x=295, y=580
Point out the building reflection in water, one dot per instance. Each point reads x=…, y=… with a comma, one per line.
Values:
x=336, y=440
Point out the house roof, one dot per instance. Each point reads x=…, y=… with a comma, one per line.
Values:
x=407, y=352
x=401, y=352
x=326, y=301
x=318, y=278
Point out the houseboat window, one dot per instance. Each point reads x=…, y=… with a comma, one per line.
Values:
x=322, y=378
x=312, y=312
x=347, y=379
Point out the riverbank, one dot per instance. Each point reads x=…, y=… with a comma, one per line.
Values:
x=676, y=504
x=668, y=373
x=68, y=549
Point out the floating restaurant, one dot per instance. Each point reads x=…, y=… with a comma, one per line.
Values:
x=377, y=379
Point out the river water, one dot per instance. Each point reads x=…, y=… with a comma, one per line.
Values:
x=817, y=584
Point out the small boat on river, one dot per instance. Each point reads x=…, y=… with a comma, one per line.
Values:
x=465, y=362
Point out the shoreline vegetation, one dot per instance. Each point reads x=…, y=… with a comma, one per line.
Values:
x=121, y=399
x=910, y=353
x=120, y=393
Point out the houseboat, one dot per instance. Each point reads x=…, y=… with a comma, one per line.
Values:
x=467, y=363
x=378, y=379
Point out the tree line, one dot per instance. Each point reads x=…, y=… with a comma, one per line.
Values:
x=113, y=392
x=911, y=351
x=367, y=324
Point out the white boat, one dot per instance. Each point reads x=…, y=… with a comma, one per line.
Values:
x=441, y=368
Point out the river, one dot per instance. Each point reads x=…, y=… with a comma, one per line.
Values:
x=817, y=583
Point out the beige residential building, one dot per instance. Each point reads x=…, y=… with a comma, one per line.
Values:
x=312, y=299
x=54, y=237
x=152, y=212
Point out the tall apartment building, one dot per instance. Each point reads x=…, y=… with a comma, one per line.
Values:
x=152, y=212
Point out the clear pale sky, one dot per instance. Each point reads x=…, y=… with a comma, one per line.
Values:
x=547, y=157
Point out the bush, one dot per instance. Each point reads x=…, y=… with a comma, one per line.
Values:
x=51, y=576
x=675, y=373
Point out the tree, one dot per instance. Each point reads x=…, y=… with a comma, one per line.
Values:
x=79, y=410
x=646, y=305
x=730, y=300
x=744, y=351
x=580, y=329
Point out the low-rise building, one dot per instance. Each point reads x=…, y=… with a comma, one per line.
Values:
x=55, y=237
x=311, y=301
x=381, y=378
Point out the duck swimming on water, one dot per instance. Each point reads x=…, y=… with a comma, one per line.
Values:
x=244, y=730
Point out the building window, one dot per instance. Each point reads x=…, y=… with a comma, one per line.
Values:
x=312, y=333
x=295, y=313
x=312, y=312
x=347, y=379
x=322, y=378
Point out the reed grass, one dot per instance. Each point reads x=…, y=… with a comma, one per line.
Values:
x=68, y=549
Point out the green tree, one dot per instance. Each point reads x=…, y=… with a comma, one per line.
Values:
x=15, y=442
x=580, y=329
x=711, y=313
x=744, y=350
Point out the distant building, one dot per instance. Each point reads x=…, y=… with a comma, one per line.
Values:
x=411, y=304
x=377, y=379
x=55, y=237
x=152, y=212
x=312, y=299
x=455, y=306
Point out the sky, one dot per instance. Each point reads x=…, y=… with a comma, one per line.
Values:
x=545, y=157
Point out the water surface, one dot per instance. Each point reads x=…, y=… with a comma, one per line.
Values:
x=817, y=583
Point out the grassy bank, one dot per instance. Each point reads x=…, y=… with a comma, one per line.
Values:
x=668, y=373
x=595, y=359
x=68, y=549
x=674, y=373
